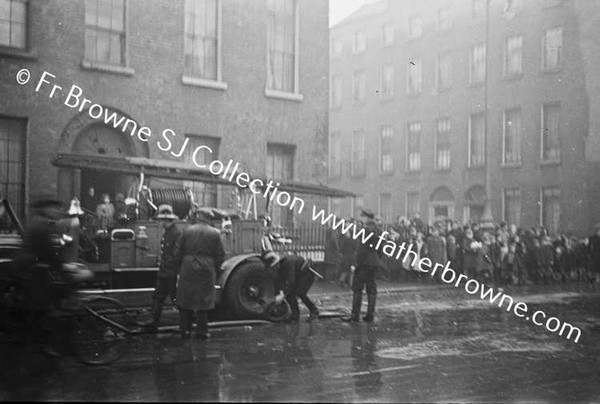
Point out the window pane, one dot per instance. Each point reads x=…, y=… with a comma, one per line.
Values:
x=17, y=39
x=103, y=50
x=104, y=13
x=90, y=44
x=115, y=48
x=118, y=15
x=4, y=9
x=91, y=12
x=4, y=33
x=18, y=12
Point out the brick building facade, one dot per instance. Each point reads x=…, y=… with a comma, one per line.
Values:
x=248, y=78
x=435, y=102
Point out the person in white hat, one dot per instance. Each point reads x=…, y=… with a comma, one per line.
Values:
x=168, y=267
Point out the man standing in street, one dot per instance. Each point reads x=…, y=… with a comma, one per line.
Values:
x=367, y=261
x=199, y=253
x=167, y=269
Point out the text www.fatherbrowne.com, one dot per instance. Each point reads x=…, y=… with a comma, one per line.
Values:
x=448, y=275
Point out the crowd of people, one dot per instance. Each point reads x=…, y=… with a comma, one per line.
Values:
x=502, y=255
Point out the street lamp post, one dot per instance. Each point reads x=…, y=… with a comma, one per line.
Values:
x=487, y=220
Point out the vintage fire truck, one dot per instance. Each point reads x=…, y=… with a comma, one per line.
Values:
x=128, y=253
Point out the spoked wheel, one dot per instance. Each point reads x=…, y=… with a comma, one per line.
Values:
x=247, y=290
x=96, y=337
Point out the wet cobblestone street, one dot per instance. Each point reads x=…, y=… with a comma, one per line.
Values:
x=428, y=344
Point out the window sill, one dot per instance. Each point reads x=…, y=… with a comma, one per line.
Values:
x=282, y=95
x=413, y=172
x=476, y=167
x=549, y=163
x=442, y=170
x=413, y=95
x=31, y=54
x=386, y=98
x=512, y=165
x=108, y=68
x=386, y=173
x=204, y=83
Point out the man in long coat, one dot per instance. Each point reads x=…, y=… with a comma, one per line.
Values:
x=199, y=252
x=168, y=268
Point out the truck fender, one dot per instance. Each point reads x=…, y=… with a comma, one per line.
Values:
x=230, y=264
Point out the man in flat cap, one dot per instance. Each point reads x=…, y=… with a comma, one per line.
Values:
x=367, y=261
x=167, y=269
x=198, y=253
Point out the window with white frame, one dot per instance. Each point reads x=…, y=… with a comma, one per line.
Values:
x=477, y=140
x=513, y=55
x=387, y=33
x=550, y=209
x=444, y=19
x=413, y=147
x=553, y=44
x=335, y=154
x=385, y=149
x=336, y=91
x=337, y=48
x=105, y=38
x=359, y=43
x=511, y=206
x=359, y=87
x=442, y=144
x=415, y=27
x=282, y=51
x=205, y=194
x=477, y=70
x=358, y=168
x=444, y=70
x=512, y=136
x=412, y=204
x=201, y=39
x=414, y=77
x=550, y=132
x=387, y=81
x=385, y=207
x=13, y=133
x=280, y=166
x=13, y=23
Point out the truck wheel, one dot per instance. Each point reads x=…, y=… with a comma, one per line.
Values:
x=247, y=290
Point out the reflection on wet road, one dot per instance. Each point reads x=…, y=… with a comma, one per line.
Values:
x=423, y=347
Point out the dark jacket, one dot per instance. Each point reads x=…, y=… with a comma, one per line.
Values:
x=367, y=256
x=198, y=253
x=291, y=278
x=168, y=267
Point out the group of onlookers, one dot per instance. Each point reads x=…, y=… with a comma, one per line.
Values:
x=502, y=254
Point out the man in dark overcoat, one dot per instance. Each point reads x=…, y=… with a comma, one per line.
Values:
x=199, y=253
x=167, y=269
x=367, y=262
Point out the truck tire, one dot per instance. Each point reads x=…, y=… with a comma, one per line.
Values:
x=247, y=290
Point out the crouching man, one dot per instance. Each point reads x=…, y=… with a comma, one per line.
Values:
x=293, y=279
